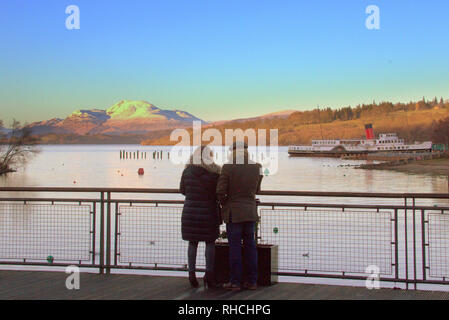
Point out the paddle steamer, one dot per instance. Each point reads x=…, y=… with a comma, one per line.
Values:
x=387, y=142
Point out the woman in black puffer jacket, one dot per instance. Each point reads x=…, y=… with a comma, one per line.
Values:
x=200, y=216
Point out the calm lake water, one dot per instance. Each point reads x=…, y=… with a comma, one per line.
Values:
x=101, y=166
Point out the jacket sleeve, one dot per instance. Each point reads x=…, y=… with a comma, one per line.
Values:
x=259, y=184
x=260, y=179
x=182, y=187
x=222, y=185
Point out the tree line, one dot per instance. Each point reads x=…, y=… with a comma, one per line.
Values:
x=374, y=109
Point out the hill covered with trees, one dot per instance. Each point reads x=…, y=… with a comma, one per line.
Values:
x=413, y=121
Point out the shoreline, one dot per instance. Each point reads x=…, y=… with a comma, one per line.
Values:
x=434, y=167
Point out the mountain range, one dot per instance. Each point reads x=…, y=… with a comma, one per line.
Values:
x=134, y=122
x=4, y=130
x=126, y=116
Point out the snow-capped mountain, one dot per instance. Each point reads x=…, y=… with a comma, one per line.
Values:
x=4, y=130
x=126, y=116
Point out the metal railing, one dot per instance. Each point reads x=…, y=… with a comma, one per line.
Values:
x=335, y=235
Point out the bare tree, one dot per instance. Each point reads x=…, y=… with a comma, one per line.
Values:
x=16, y=147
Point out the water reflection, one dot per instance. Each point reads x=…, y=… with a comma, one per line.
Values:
x=101, y=166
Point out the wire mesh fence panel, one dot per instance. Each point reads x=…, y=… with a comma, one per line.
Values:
x=40, y=231
x=438, y=235
x=152, y=235
x=329, y=241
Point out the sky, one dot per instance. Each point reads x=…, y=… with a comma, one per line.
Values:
x=218, y=59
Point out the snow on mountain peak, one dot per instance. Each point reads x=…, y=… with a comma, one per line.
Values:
x=130, y=109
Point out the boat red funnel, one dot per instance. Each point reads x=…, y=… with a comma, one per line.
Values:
x=369, y=131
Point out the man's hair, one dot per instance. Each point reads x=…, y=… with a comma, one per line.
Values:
x=238, y=145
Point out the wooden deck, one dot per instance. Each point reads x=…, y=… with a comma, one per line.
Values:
x=30, y=285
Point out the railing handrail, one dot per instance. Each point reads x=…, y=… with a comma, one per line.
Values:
x=263, y=192
x=260, y=204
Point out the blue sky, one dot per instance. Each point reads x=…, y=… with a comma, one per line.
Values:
x=218, y=59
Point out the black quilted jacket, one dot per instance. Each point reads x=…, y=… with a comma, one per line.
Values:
x=200, y=215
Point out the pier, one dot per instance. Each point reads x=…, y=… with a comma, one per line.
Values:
x=136, y=155
x=38, y=285
x=403, y=157
x=112, y=234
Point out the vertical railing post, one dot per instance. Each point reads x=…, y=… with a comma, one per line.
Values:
x=257, y=231
x=94, y=229
x=406, y=243
x=108, y=234
x=414, y=245
x=116, y=234
x=396, y=244
x=423, y=243
x=102, y=233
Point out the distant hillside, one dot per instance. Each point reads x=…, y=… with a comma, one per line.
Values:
x=125, y=117
x=412, y=121
x=281, y=114
x=101, y=138
x=4, y=130
x=278, y=114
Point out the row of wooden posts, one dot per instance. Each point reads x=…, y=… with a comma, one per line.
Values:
x=157, y=155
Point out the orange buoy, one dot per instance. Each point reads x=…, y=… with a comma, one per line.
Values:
x=140, y=171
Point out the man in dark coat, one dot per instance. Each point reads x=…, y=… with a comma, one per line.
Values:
x=200, y=216
x=236, y=190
